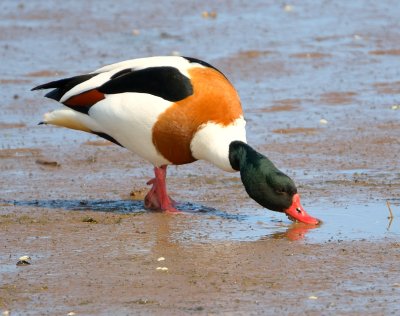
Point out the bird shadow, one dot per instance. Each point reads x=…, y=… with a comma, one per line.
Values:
x=120, y=207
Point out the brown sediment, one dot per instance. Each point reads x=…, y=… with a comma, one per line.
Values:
x=98, y=143
x=337, y=97
x=388, y=87
x=284, y=105
x=19, y=152
x=296, y=130
x=311, y=55
x=11, y=125
x=394, y=52
x=45, y=73
x=14, y=81
x=254, y=53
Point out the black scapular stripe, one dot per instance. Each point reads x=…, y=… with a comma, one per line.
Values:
x=201, y=62
x=165, y=82
x=121, y=73
x=108, y=137
x=63, y=85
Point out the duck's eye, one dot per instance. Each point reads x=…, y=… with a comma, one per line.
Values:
x=280, y=192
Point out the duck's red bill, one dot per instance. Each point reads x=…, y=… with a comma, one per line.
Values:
x=297, y=213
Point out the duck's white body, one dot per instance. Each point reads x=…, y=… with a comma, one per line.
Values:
x=197, y=122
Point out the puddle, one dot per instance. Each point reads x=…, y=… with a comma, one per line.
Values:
x=7, y=268
x=353, y=222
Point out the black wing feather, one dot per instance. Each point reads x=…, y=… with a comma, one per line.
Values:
x=165, y=82
x=62, y=86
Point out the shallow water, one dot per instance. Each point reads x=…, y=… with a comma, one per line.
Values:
x=352, y=222
x=207, y=224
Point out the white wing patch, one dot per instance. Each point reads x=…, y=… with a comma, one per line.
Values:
x=181, y=63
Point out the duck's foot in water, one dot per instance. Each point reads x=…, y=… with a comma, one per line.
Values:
x=157, y=198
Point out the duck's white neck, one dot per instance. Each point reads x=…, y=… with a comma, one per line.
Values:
x=211, y=142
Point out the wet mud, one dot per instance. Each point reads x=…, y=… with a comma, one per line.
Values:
x=319, y=84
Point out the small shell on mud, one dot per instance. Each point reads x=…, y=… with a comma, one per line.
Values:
x=23, y=261
x=71, y=314
x=162, y=268
x=161, y=259
x=313, y=297
x=323, y=121
x=288, y=7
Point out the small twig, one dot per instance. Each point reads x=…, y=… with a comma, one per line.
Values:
x=390, y=217
x=390, y=210
x=389, y=224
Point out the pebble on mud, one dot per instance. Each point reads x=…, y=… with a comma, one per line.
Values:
x=313, y=297
x=323, y=121
x=162, y=268
x=288, y=7
x=23, y=261
x=161, y=259
x=138, y=194
x=47, y=163
x=88, y=219
x=209, y=14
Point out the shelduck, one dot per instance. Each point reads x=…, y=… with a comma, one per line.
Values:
x=172, y=110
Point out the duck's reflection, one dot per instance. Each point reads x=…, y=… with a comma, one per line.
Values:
x=296, y=231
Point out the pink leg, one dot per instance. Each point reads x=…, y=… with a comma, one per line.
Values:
x=157, y=198
x=151, y=200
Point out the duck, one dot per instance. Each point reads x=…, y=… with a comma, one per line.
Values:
x=172, y=110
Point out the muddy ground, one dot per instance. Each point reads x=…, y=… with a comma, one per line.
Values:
x=320, y=86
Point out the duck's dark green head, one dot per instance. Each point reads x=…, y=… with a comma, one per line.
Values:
x=265, y=184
